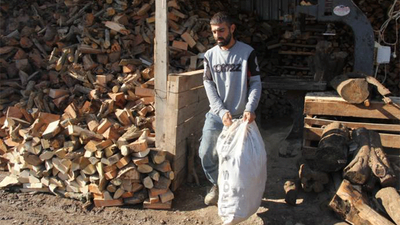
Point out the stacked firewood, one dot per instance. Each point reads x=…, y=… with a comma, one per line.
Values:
x=103, y=145
x=77, y=101
x=273, y=104
x=74, y=154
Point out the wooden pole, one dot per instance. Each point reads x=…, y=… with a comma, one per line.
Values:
x=161, y=69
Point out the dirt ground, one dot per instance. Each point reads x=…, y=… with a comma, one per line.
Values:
x=188, y=206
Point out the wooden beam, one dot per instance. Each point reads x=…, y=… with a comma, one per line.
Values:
x=324, y=103
x=388, y=140
x=161, y=69
x=370, y=126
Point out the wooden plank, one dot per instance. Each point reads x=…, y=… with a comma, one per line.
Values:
x=198, y=108
x=388, y=140
x=186, y=98
x=171, y=123
x=188, y=101
x=161, y=68
x=181, y=145
x=180, y=177
x=106, y=203
x=187, y=105
x=192, y=125
x=179, y=161
x=286, y=83
x=333, y=105
x=185, y=81
x=369, y=126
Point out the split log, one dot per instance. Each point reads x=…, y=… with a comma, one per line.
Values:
x=390, y=199
x=358, y=170
x=332, y=149
x=158, y=156
x=379, y=163
x=352, y=206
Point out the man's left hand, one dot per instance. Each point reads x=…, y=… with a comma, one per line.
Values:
x=249, y=116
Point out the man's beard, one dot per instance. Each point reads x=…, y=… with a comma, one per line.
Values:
x=226, y=41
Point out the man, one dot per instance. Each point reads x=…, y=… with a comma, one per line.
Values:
x=233, y=86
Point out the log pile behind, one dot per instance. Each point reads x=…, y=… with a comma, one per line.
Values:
x=377, y=13
x=273, y=104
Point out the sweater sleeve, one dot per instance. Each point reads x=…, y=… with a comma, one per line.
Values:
x=255, y=86
x=216, y=104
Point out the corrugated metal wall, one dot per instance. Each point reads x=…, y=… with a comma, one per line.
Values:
x=269, y=9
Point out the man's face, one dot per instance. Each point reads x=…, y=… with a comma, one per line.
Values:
x=222, y=33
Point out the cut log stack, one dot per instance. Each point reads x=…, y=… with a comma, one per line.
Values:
x=368, y=172
x=291, y=53
x=104, y=146
x=78, y=45
x=113, y=159
x=77, y=101
x=273, y=104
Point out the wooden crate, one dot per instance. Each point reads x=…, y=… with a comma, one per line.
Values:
x=322, y=108
x=187, y=105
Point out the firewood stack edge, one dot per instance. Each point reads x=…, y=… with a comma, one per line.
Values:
x=77, y=112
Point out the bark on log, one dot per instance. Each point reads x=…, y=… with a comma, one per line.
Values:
x=332, y=148
x=379, y=163
x=353, y=90
x=390, y=200
x=353, y=207
x=358, y=171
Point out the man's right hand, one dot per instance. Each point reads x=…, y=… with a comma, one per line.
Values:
x=227, y=119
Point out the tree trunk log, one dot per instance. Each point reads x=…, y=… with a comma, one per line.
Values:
x=358, y=171
x=390, y=200
x=349, y=203
x=332, y=148
x=353, y=90
x=379, y=163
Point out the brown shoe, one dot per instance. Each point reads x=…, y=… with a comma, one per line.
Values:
x=212, y=196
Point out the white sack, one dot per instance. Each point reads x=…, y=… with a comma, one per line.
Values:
x=242, y=171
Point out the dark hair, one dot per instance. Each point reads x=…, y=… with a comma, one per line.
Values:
x=221, y=17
